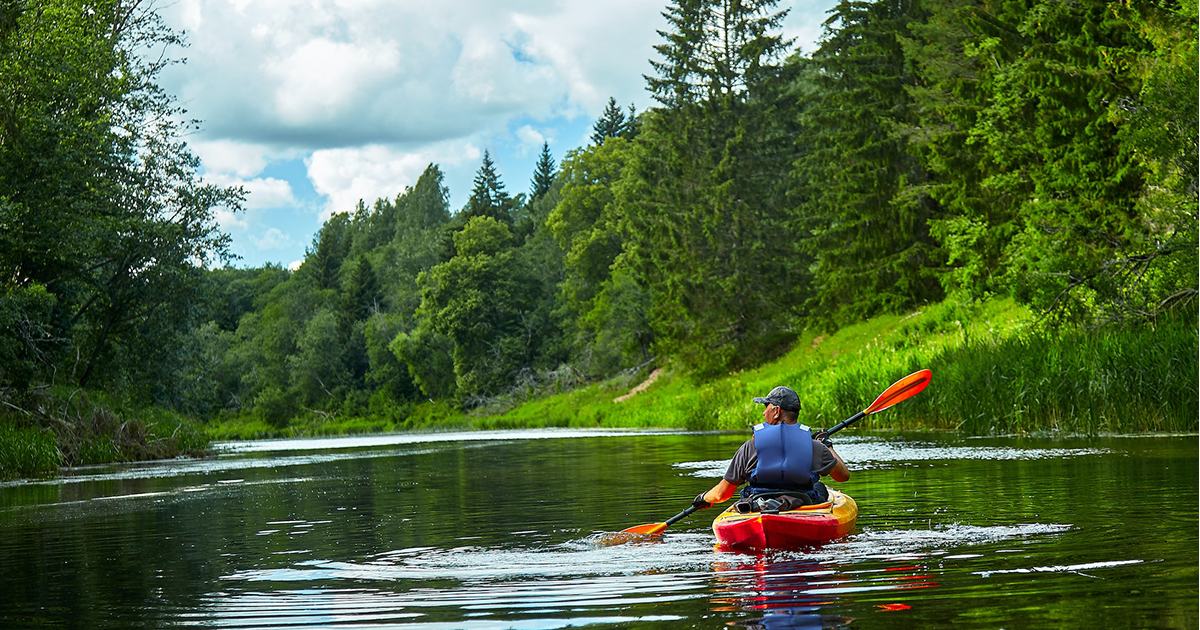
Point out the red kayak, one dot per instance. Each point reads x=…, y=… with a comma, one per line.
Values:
x=807, y=526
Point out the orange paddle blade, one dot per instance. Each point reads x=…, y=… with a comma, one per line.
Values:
x=649, y=529
x=901, y=390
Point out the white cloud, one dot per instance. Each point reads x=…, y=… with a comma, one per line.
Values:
x=268, y=192
x=232, y=158
x=228, y=219
x=328, y=73
x=321, y=78
x=273, y=238
x=261, y=192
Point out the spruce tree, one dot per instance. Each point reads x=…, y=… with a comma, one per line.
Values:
x=488, y=198
x=715, y=48
x=611, y=124
x=864, y=210
x=543, y=174
x=708, y=221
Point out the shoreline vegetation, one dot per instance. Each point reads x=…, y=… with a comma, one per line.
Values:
x=996, y=372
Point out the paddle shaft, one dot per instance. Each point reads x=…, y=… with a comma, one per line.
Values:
x=680, y=516
x=841, y=425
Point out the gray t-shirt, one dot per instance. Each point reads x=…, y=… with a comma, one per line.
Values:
x=745, y=460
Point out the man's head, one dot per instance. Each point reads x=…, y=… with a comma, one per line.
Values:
x=783, y=405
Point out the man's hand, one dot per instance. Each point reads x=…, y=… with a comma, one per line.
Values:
x=699, y=502
x=823, y=437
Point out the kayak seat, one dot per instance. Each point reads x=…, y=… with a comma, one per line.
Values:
x=774, y=502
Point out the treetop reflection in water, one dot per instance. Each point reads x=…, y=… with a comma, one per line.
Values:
x=504, y=531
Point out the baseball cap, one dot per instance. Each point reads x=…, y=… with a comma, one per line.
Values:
x=783, y=397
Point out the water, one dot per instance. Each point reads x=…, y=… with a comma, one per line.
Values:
x=504, y=530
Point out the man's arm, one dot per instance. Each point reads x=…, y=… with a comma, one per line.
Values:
x=839, y=472
x=723, y=491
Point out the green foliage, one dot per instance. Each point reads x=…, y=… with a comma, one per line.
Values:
x=1041, y=156
x=543, y=174
x=864, y=215
x=484, y=300
x=100, y=201
x=488, y=197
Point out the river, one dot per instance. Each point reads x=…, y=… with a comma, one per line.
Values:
x=496, y=530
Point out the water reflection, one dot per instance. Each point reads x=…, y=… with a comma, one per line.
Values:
x=507, y=531
x=792, y=592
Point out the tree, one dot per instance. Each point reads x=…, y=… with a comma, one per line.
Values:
x=1038, y=154
x=363, y=295
x=715, y=48
x=488, y=198
x=426, y=205
x=543, y=174
x=100, y=199
x=705, y=193
x=864, y=211
x=483, y=300
x=612, y=123
x=323, y=259
x=589, y=228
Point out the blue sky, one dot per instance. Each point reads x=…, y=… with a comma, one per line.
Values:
x=312, y=105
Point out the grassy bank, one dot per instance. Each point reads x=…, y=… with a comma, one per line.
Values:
x=72, y=428
x=994, y=372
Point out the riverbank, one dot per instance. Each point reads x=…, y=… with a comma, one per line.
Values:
x=995, y=372
x=61, y=427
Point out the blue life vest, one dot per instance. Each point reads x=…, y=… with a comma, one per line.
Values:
x=785, y=453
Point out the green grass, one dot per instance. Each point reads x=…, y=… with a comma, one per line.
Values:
x=995, y=371
x=65, y=427
x=27, y=450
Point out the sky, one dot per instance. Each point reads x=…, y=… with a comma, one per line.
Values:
x=312, y=105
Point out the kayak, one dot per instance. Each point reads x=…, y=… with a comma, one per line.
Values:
x=807, y=526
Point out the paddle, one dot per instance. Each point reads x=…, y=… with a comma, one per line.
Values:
x=652, y=529
x=900, y=391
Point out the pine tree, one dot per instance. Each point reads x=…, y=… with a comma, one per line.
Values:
x=865, y=214
x=715, y=48
x=543, y=174
x=488, y=198
x=708, y=224
x=611, y=124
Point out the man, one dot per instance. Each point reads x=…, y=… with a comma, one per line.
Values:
x=782, y=457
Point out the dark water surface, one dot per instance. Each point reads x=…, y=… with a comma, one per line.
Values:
x=501, y=530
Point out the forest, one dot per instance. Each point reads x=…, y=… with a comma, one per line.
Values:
x=927, y=152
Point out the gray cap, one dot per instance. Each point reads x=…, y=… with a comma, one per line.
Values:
x=783, y=397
